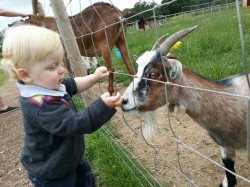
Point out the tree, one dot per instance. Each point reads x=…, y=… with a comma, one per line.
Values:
x=180, y=5
x=142, y=6
x=174, y=7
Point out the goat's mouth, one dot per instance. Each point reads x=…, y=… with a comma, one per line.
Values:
x=128, y=110
x=131, y=111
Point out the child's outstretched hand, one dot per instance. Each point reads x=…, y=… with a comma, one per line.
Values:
x=112, y=101
x=101, y=72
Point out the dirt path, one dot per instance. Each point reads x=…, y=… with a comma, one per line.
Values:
x=11, y=171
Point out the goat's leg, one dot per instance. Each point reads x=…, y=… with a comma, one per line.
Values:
x=108, y=62
x=121, y=45
x=228, y=158
x=111, y=82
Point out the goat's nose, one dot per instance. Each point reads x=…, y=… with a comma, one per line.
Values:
x=125, y=101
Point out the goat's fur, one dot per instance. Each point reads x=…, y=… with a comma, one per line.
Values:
x=97, y=29
x=223, y=117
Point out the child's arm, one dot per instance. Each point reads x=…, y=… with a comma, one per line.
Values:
x=84, y=83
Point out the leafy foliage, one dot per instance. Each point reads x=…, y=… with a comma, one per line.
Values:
x=175, y=7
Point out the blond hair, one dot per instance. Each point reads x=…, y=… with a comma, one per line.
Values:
x=26, y=44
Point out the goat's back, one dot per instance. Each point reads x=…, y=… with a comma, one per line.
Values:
x=97, y=16
x=90, y=23
x=237, y=84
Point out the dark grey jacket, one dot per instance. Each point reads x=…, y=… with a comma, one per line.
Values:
x=53, y=128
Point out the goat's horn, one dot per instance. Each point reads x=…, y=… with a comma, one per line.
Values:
x=158, y=43
x=168, y=43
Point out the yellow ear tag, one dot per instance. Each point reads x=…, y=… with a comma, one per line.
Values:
x=176, y=45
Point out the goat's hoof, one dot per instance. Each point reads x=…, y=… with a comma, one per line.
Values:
x=221, y=185
x=232, y=184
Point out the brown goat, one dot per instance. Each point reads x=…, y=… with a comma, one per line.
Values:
x=97, y=29
x=161, y=79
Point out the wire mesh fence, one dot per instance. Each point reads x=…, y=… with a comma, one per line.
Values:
x=180, y=152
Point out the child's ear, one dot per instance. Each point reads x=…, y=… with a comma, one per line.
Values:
x=24, y=75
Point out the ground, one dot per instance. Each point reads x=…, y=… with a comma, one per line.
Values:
x=158, y=156
x=11, y=171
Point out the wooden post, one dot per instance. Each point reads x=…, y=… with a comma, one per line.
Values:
x=68, y=37
x=70, y=44
x=40, y=10
x=34, y=7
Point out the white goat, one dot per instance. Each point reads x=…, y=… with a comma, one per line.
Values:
x=222, y=116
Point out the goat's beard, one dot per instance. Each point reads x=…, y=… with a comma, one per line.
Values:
x=149, y=124
x=148, y=119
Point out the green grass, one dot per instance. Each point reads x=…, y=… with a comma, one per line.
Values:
x=110, y=163
x=3, y=76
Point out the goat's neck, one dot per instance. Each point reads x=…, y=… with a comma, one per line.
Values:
x=189, y=79
x=202, y=106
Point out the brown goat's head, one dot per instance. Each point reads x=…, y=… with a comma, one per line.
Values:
x=144, y=94
x=42, y=21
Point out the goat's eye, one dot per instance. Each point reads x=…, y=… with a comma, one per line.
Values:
x=153, y=75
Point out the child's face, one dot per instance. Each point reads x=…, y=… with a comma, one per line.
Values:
x=49, y=72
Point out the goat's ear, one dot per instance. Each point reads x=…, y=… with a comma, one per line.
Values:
x=175, y=68
x=23, y=75
x=166, y=61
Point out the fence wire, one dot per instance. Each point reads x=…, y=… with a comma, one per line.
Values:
x=169, y=157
